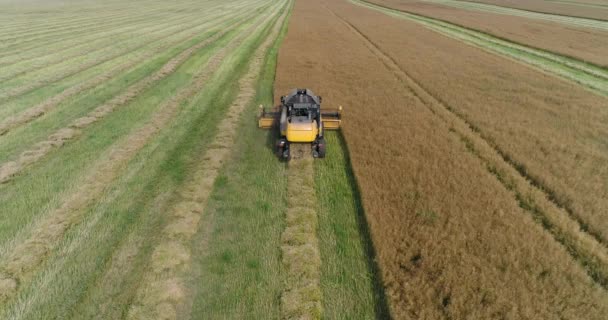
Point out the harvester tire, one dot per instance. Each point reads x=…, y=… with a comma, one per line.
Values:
x=321, y=148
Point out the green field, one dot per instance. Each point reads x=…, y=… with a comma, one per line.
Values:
x=134, y=180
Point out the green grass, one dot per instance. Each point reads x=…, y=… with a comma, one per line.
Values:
x=20, y=103
x=20, y=139
x=238, y=274
x=40, y=188
x=349, y=275
x=131, y=208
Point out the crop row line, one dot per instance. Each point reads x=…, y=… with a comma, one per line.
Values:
x=583, y=73
x=23, y=20
x=44, y=107
x=22, y=258
x=75, y=40
x=61, y=136
x=121, y=18
x=566, y=230
x=590, y=76
x=36, y=84
x=154, y=32
x=171, y=258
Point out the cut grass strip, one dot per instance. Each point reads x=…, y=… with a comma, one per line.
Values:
x=125, y=39
x=41, y=94
x=302, y=296
x=53, y=73
x=590, y=76
x=61, y=136
x=163, y=291
x=238, y=274
x=55, y=49
x=573, y=21
x=91, y=281
x=26, y=256
x=40, y=190
x=80, y=28
x=49, y=104
x=584, y=248
x=350, y=278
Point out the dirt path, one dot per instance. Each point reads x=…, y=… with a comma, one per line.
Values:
x=21, y=257
x=302, y=297
x=62, y=136
x=566, y=229
x=163, y=293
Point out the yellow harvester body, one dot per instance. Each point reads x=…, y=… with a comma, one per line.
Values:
x=301, y=120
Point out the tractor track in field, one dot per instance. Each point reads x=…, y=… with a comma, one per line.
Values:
x=565, y=227
x=588, y=75
x=301, y=257
x=162, y=294
x=63, y=135
x=42, y=108
x=20, y=259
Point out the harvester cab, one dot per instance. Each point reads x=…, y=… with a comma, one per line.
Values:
x=300, y=120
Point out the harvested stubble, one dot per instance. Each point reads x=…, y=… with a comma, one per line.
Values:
x=580, y=8
x=451, y=240
x=300, y=246
x=45, y=106
x=585, y=44
x=63, y=135
x=19, y=262
x=164, y=293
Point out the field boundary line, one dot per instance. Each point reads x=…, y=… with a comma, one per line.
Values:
x=42, y=108
x=20, y=259
x=60, y=137
x=301, y=257
x=163, y=290
x=589, y=251
x=585, y=74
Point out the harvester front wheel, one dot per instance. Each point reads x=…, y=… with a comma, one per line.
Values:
x=320, y=148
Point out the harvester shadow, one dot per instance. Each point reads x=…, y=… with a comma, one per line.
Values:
x=381, y=305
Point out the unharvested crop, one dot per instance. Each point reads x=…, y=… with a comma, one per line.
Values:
x=529, y=117
x=452, y=240
x=581, y=43
x=578, y=8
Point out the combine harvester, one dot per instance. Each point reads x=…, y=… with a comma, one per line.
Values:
x=300, y=120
